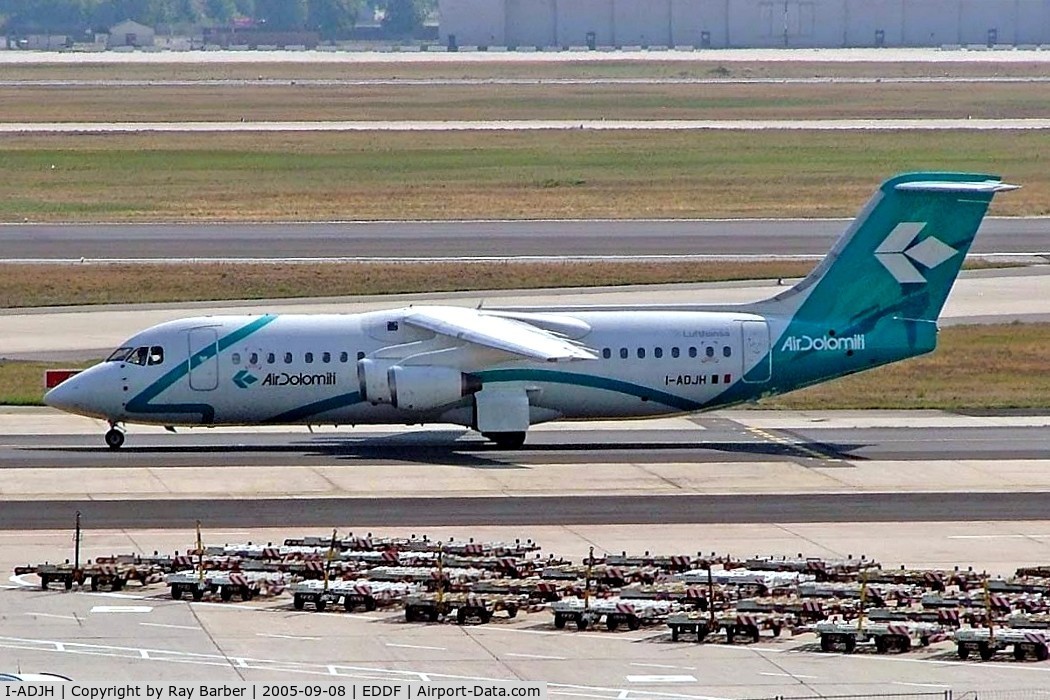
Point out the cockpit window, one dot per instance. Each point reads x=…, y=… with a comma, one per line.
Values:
x=119, y=355
x=156, y=355
x=139, y=356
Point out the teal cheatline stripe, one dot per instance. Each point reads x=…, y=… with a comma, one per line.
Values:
x=297, y=414
x=591, y=381
x=141, y=402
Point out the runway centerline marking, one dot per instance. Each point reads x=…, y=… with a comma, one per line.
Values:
x=784, y=675
x=52, y=615
x=122, y=609
x=683, y=678
x=286, y=636
x=998, y=537
x=172, y=627
x=794, y=444
x=537, y=656
x=415, y=646
x=679, y=668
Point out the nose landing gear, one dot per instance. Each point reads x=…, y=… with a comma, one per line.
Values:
x=114, y=437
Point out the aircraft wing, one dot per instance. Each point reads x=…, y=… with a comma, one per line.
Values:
x=508, y=335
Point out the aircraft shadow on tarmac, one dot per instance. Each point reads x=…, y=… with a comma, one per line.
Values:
x=452, y=448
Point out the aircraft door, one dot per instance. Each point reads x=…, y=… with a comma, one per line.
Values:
x=203, y=358
x=756, y=356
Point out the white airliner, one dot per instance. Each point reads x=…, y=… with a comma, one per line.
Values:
x=873, y=300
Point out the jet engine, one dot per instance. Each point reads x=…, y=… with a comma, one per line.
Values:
x=372, y=376
x=419, y=388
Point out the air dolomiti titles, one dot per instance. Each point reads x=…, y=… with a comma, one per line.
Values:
x=301, y=379
x=803, y=343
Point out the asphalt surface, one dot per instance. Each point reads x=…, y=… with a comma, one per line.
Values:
x=530, y=510
x=720, y=442
x=474, y=239
x=725, y=442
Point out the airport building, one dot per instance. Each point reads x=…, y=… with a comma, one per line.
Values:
x=744, y=23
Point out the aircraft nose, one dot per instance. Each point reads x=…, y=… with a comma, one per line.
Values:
x=65, y=397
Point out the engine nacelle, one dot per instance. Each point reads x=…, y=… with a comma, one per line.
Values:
x=372, y=376
x=424, y=387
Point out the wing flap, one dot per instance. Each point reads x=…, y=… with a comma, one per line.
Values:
x=496, y=332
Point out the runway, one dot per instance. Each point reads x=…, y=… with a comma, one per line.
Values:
x=746, y=467
x=442, y=239
x=1033, y=124
x=702, y=439
x=118, y=83
x=531, y=511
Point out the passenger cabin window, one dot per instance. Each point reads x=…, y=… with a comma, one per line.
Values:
x=710, y=351
x=270, y=358
x=287, y=358
x=606, y=353
x=692, y=352
x=156, y=355
x=236, y=358
x=309, y=358
x=119, y=355
x=326, y=357
x=360, y=356
x=658, y=353
x=623, y=353
x=674, y=352
x=344, y=356
x=641, y=353
x=727, y=351
x=253, y=359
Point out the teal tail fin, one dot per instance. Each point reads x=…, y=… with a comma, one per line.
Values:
x=876, y=297
x=902, y=253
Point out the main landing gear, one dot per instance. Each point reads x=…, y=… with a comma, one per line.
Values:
x=507, y=441
x=114, y=437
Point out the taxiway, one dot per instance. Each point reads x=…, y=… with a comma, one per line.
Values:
x=474, y=239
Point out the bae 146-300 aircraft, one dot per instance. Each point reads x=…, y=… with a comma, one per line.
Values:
x=874, y=299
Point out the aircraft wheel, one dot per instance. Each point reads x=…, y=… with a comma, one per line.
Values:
x=114, y=439
x=507, y=441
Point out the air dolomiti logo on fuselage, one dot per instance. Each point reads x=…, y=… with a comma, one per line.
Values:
x=300, y=379
x=805, y=343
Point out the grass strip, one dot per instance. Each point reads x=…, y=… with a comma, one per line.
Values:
x=515, y=175
x=993, y=367
x=22, y=382
x=467, y=102
x=700, y=68
x=67, y=285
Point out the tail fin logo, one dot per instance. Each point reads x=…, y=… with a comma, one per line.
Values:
x=897, y=253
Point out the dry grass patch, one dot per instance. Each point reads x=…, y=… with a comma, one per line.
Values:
x=973, y=367
x=22, y=382
x=394, y=102
x=516, y=175
x=518, y=69
x=61, y=285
